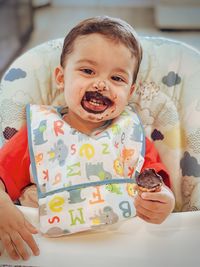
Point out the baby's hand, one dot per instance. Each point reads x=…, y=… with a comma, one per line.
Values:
x=29, y=197
x=154, y=207
x=15, y=230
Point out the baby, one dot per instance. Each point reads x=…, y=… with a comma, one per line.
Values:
x=98, y=133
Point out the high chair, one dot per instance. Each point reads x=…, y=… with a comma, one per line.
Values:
x=166, y=97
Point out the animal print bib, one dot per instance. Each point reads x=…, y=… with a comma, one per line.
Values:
x=83, y=182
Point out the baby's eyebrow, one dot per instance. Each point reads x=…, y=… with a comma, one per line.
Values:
x=92, y=62
x=123, y=71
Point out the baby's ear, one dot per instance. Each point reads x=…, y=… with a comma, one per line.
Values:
x=131, y=90
x=59, y=76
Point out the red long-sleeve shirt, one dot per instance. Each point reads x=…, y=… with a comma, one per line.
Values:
x=15, y=162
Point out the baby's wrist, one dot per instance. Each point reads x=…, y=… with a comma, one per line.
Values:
x=4, y=197
x=2, y=186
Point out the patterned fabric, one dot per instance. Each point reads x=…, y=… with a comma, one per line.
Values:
x=84, y=181
x=167, y=99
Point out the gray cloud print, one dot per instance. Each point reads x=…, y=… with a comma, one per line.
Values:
x=189, y=165
x=171, y=79
x=15, y=74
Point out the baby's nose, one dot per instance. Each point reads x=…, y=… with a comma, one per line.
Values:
x=101, y=86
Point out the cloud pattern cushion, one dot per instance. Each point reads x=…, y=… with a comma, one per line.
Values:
x=167, y=98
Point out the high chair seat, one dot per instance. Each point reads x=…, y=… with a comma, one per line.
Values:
x=166, y=97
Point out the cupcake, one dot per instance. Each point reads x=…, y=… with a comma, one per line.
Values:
x=149, y=181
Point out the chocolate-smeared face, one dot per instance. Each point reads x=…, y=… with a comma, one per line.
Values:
x=95, y=102
x=97, y=80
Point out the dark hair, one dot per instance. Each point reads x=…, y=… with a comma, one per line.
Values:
x=112, y=28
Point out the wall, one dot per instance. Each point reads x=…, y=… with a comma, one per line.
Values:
x=106, y=2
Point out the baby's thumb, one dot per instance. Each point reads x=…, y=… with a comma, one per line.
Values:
x=30, y=227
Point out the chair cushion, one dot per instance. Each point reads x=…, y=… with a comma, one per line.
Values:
x=167, y=98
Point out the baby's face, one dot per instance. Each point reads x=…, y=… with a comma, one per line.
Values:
x=98, y=79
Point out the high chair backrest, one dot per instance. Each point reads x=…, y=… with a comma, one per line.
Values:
x=167, y=98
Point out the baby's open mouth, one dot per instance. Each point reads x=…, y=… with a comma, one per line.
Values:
x=94, y=102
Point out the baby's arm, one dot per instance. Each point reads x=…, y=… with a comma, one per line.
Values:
x=154, y=207
x=15, y=230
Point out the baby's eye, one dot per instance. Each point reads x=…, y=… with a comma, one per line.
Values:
x=117, y=79
x=87, y=71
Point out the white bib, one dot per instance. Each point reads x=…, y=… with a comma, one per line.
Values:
x=83, y=181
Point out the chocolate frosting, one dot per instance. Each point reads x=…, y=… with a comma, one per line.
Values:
x=149, y=179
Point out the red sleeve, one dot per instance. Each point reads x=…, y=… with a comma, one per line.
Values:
x=14, y=164
x=152, y=160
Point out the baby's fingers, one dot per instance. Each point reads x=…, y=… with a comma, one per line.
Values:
x=154, y=196
x=28, y=238
x=30, y=227
x=19, y=245
x=9, y=246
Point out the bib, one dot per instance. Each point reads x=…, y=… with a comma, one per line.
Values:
x=83, y=181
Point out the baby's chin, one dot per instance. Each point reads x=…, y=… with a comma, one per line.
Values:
x=93, y=117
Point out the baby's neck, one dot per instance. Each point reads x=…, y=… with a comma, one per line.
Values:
x=85, y=127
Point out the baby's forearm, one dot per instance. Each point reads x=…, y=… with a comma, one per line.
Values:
x=4, y=197
x=2, y=187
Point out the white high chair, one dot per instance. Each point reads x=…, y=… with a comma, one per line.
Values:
x=167, y=98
